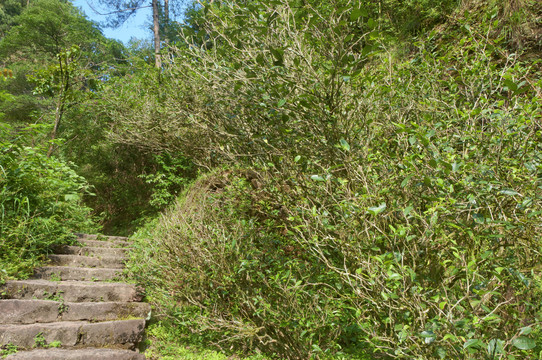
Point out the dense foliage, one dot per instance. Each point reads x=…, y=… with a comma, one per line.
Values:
x=58, y=64
x=391, y=200
x=40, y=202
x=369, y=174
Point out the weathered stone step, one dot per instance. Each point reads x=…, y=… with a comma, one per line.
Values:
x=111, y=262
x=70, y=291
x=105, y=244
x=100, y=237
x=76, y=273
x=123, y=333
x=46, y=311
x=91, y=251
x=76, y=354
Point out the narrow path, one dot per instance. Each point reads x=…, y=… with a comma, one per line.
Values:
x=75, y=308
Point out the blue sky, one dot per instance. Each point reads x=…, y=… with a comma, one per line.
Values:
x=138, y=26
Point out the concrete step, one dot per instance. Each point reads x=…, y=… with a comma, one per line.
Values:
x=101, y=237
x=70, y=291
x=111, y=262
x=91, y=251
x=105, y=244
x=88, y=320
x=122, y=333
x=76, y=354
x=46, y=311
x=76, y=273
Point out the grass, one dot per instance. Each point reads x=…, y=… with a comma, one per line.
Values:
x=162, y=342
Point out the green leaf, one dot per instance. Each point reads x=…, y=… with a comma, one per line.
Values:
x=357, y=13
x=512, y=86
x=345, y=145
x=429, y=336
x=367, y=49
x=71, y=197
x=396, y=276
x=525, y=330
x=495, y=346
x=375, y=210
x=509, y=192
x=281, y=103
x=472, y=343
x=479, y=218
x=278, y=54
x=524, y=343
x=455, y=166
x=317, y=178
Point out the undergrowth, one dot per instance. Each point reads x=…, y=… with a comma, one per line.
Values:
x=40, y=202
x=163, y=340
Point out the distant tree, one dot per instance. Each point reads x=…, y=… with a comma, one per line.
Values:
x=9, y=10
x=119, y=11
x=58, y=53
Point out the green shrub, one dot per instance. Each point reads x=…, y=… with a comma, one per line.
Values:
x=40, y=202
x=392, y=207
x=230, y=274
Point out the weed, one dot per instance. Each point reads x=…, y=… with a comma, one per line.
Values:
x=40, y=342
x=62, y=307
x=54, y=296
x=55, y=344
x=8, y=350
x=55, y=277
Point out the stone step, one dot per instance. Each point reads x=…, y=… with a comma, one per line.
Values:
x=70, y=291
x=111, y=262
x=101, y=237
x=105, y=244
x=76, y=273
x=91, y=251
x=122, y=333
x=46, y=311
x=76, y=354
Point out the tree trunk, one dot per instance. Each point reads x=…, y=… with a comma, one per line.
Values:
x=61, y=101
x=166, y=11
x=156, y=28
x=58, y=117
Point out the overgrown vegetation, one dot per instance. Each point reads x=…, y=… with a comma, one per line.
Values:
x=369, y=173
x=57, y=64
x=388, y=199
x=40, y=202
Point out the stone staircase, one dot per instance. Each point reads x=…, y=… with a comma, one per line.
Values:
x=75, y=308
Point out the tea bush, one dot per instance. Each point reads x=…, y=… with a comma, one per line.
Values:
x=387, y=207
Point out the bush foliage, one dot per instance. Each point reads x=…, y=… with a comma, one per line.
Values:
x=381, y=201
x=40, y=202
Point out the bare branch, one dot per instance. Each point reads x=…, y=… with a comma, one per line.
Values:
x=117, y=11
